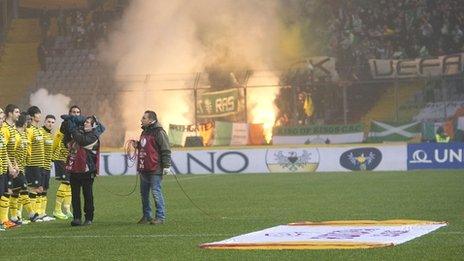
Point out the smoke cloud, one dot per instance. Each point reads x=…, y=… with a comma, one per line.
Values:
x=54, y=104
x=171, y=40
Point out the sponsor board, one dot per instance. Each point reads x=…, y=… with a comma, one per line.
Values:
x=293, y=160
x=275, y=159
x=373, y=157
x=436, y=156
x=361, y=159
x=349, y=234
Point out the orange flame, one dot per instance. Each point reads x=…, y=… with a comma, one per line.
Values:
x=263, y=88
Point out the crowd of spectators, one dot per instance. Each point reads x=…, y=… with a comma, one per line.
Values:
x=78, y=28
x=392, y=29
x=84, y=27
x=354, y=31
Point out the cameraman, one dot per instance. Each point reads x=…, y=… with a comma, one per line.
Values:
x=82, y=164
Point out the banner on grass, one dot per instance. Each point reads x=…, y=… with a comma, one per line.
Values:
x=352, y=133
x=217, y=104
x=424, y=67
x=436, y=156
x=330, y=235
x=381, y=131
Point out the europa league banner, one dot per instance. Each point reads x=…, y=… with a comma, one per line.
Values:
x=218, y=104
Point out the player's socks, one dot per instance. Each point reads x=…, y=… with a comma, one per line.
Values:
x=32, y=202
x=38, y=203
x=67, y=201
x=60, y=195
x=4, y=205
x=25, y=201
x=43, y=207
x=14, y=207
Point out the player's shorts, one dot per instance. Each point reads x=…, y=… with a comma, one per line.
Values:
x=19, y=182
x=3, y=184
x=34, y=176
x=45, y=179
x=60, y=172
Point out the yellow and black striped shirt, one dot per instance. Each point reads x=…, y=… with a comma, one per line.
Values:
x=60, y=152
x=3, y=153
x=36, y=151
x=12, y=140
x=48, y=148
x=21, y=150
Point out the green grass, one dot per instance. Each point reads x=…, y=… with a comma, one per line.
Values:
x=252, y=202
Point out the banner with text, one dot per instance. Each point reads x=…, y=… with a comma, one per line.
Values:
x=436, y=156
x=451, y=64
x=217, y=104
x=353, y=133
x=178, y=133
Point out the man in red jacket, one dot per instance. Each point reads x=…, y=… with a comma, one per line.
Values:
x=154, y=161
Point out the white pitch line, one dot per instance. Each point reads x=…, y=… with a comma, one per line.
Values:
x=111, y=236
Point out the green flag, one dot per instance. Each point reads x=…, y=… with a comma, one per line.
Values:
x=381, y=131
x=218, y=104
x=222, y=133
x=176, y=134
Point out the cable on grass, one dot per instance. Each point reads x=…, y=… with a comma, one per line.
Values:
x=130, y=149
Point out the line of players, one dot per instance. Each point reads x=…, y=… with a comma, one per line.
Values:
x=27, y=151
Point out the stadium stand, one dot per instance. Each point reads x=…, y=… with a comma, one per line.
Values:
x=77, y=74
x=19, y=62
x=438, y=110
x=384, y=108
x=53, y=4
x=357, y=31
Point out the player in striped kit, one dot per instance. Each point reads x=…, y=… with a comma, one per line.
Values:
x=5, y=167
x=35, y=160
x=48, y=151
x=60, y=154
x=20, y=183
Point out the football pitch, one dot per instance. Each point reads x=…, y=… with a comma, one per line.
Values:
x=251, y=202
